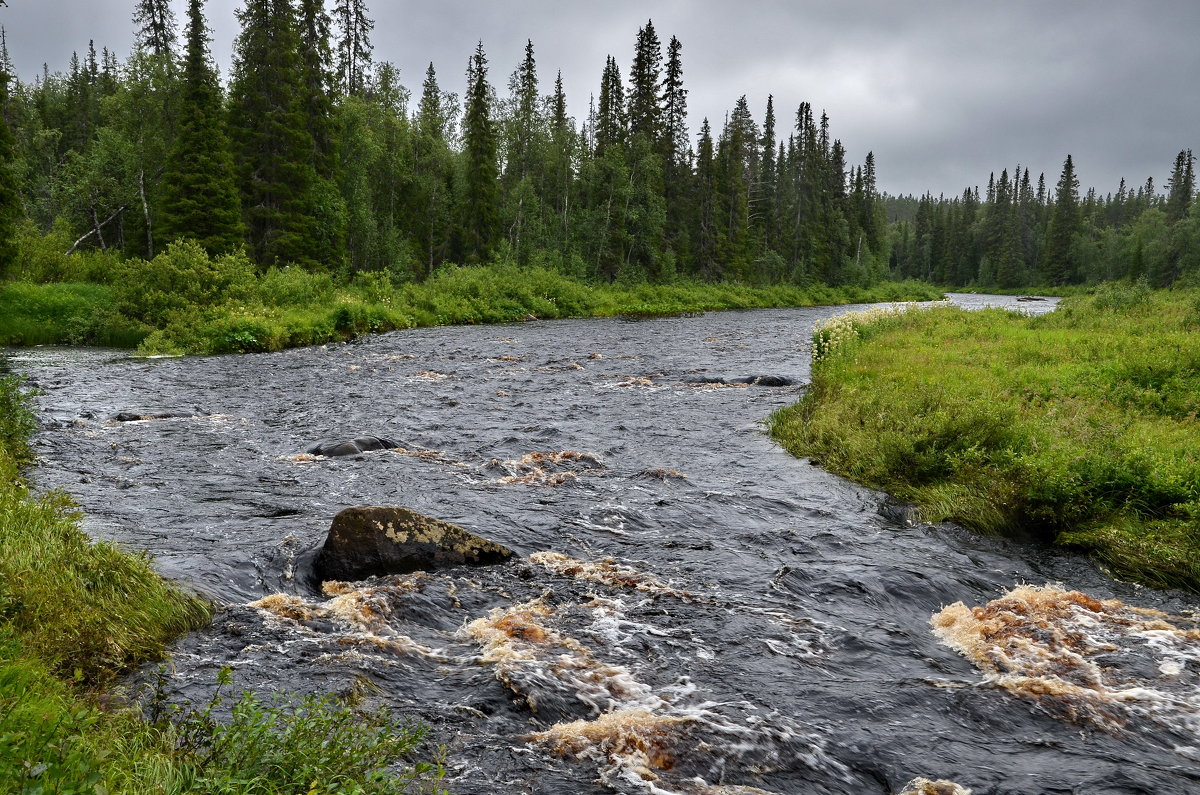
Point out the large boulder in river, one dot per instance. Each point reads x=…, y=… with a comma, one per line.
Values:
x=363, y=444
x=376, y=540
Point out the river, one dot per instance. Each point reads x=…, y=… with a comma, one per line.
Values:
x=694, y=610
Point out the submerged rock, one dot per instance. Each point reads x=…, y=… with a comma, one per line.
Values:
x=763, y=380
x=772, y=380
x=377, y=540
x=756, y=380
x=132, y=416
x=363, y=444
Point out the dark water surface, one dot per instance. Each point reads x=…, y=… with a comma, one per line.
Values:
x=762, y=625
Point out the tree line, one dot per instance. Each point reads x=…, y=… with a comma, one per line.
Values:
x=1019, y=233
x=314, y=154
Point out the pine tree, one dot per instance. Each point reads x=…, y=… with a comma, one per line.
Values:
x=736, y=178
x=1058, y=263
x=10, y=200
x=273, y=148
x=480, y=201
x=156, y=26
x=200, y=198
x=353, y=46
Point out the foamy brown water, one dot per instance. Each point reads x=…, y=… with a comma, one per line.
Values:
x=1099, y=661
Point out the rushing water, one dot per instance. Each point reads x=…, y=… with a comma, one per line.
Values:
x=695, y=611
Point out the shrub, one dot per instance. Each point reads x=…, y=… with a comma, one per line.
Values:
x=313, y=744
x=181, y=278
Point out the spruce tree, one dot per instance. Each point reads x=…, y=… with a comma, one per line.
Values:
x=328, y=206
x=155, y=26
x=765, y=214
x=1058, y=263
x=6, y=64
x=481, y=200
x=708, y=236
x=676, y=153
x=431, y=219
x=10, y=200
x=523, y=119
x=272, y=146
x=200, y=198
x=524, y=146
x=353, y=45
x=1181, y=188
x=559, y=172
x=316, y=61
x=674, y=105
x=645, y=84
x=610, y=123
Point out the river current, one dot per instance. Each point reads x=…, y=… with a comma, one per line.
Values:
x=693, y=609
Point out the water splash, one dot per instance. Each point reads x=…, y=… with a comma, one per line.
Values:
x=923, y=786
x=1101, y=662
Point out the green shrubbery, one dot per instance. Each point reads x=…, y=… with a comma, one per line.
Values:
x=180, y=280
x=1078, y=427
x=314, y=744
x=184, y=301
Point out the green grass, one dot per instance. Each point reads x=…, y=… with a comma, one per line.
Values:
x=1078, y=427
x=187, y=302
x=75, y=615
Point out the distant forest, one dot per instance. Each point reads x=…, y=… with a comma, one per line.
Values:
x=314, y=154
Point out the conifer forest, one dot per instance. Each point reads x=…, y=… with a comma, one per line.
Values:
x=312, y=153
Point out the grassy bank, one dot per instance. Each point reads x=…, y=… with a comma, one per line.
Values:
x=1078, y=427
x=186, y=302
x=74, y=615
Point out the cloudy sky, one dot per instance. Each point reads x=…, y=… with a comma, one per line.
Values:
x=943, y=91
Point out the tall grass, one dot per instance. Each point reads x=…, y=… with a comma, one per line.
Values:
x=1078, y=427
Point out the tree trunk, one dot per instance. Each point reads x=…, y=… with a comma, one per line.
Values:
x=146, y=214
x=96, y=229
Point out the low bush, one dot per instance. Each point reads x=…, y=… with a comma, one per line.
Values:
x=182, y=278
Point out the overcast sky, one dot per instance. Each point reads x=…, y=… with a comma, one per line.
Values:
x=943, y=91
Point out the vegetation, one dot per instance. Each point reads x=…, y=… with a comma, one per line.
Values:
x=1078, y=427
x=1018, y=235
x=187, y=301
x=313, y=158
x=76, y=614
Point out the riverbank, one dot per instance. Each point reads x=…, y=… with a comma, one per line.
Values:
x=76, y=615
x=183, y=301
x=1077, y=428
